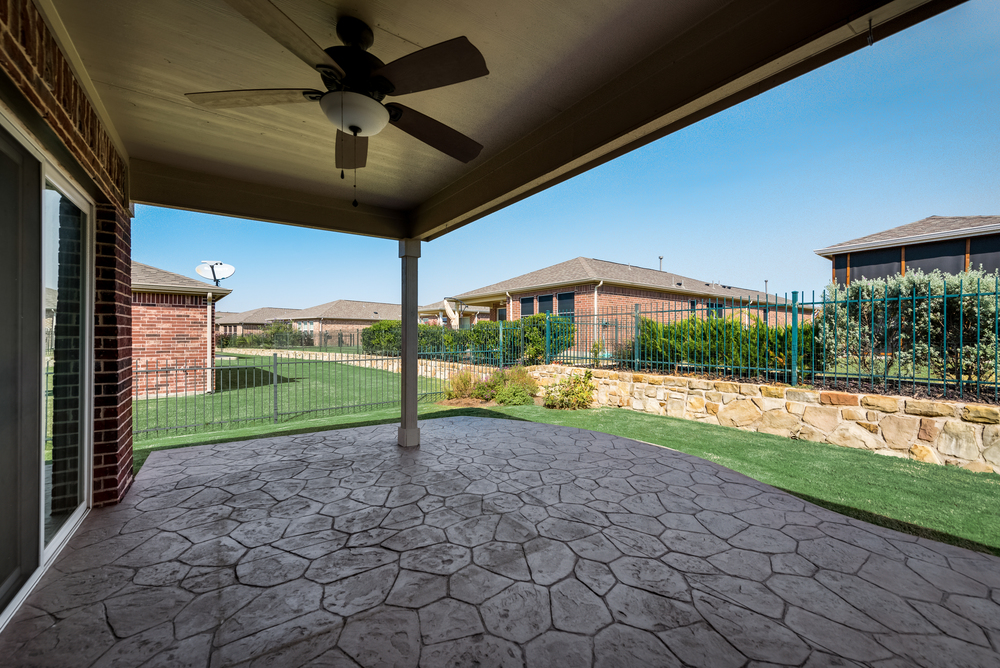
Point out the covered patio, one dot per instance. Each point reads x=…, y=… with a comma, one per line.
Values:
x=496, y=543
x=99, y=567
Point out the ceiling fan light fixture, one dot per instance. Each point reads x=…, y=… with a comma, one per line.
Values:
x=349, y=110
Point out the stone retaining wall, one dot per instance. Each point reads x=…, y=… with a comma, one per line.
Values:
x=941, y=432
x=428, y=368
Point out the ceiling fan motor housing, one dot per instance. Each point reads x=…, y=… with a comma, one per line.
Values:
x=354, y=113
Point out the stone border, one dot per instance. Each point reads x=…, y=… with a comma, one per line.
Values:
x=939, y=432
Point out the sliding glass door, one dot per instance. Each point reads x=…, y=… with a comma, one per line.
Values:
x=20, y=365
x=46, y=396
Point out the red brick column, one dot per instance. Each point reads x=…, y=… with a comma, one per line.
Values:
x=112, y=355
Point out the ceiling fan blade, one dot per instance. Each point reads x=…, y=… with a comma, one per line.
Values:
x=443, y=64
x=433, y=133
x=352, y=152
x=230, y=99
x=288, y=34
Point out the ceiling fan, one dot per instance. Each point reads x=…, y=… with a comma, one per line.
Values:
x=356, y=83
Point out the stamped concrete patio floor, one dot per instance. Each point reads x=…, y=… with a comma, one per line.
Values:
x=497, y=543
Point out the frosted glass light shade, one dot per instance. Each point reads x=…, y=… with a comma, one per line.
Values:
x=347, y=110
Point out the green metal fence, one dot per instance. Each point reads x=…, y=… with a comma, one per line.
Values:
x=933, y=338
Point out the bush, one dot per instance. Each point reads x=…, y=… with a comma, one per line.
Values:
x=523, y=340
x=514, y=395
x=461, y=386
x=572, y=394
x=507, y=386
x=917, y=324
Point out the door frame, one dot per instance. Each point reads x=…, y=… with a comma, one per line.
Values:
x=51, y=172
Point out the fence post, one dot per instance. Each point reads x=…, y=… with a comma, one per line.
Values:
x=635, y=362
x=795, y=337
x=274, y=383
x=548, y=338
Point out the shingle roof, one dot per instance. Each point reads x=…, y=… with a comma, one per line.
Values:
x=589, y=270
x=257, y=316
x=439, y=306
x=929, y=229
x=150, y=279
x=345, y=309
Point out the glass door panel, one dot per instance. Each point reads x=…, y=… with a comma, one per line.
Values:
x=63, y=228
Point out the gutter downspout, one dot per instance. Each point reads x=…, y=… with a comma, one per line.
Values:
x=209, y=375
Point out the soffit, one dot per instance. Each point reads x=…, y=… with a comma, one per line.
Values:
x=571, y=84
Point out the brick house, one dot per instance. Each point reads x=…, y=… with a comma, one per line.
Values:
x=346, y=317
x=950, y=244
x=172, y=327
x=586, y=286
x=254, y=321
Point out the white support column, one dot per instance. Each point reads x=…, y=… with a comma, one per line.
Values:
x=409, y=434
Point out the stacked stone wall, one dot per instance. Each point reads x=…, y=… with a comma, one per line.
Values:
x=939, y=432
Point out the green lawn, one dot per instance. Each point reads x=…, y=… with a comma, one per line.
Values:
x=245, y=395
x=938, y=502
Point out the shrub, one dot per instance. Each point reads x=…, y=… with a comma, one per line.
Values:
x=461, y=385
x=914, y=324
x=573, y=393
x=514, y=395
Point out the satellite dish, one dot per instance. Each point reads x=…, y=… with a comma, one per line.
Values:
x=215, y=270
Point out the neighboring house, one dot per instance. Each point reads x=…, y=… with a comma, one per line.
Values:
x=951, y=244
x=254, y=321
x=585, y=286
x=452, y=314
x=172, y=327
x=327, y=321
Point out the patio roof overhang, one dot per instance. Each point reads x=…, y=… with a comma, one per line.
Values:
x=571, y=85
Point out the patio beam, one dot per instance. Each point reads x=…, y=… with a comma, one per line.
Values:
x=163, y=185
x=409, y=434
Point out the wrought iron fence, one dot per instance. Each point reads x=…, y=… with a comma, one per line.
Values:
x=936, y=338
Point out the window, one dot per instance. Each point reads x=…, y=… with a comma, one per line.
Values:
x=694, y=305
x=545, y=304
x=527, y=306
x=501, y=314
x=564, y=303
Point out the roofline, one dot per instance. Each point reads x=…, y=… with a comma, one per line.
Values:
x=641, y=286
x=180, y=290
x=830, y=251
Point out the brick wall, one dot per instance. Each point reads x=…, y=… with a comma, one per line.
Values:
x=112, y=355
x=31, y=59
x=169, y=331
x=620, y=299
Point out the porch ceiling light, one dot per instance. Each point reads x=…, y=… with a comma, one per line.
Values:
x=354, y=113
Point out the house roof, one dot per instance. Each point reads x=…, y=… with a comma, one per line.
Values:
x=346, y=309
x=589, y=270
x=439, y=307
x=932, y=228
x=150, y=279
x=257, y=316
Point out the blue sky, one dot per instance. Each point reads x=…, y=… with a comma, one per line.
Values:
x=891, y=134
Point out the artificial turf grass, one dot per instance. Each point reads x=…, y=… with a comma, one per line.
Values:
x=942, y=503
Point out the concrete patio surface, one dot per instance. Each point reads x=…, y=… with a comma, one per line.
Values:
x=496, y=543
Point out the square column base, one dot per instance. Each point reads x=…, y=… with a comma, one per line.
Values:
x=408, y=438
